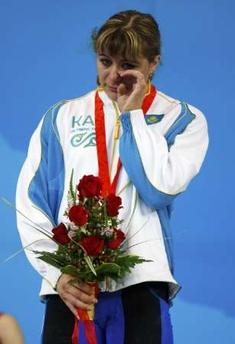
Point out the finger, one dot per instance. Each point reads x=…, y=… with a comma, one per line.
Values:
x=86, y=288
x=128, y=81
x=134, y=75
x=72, y=287
x=85, y=294
x=122, y=89
x=78, y=303
x=78, y=294
x=133, y=84
x=73, y=309
x=131, y=73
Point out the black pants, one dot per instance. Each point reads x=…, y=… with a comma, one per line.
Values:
x=135, y=315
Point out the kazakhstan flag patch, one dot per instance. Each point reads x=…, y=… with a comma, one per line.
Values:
x=152, y=119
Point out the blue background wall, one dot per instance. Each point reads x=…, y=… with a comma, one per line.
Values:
x=46, y=56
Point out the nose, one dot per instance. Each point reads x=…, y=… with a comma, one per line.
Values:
x=114, y=73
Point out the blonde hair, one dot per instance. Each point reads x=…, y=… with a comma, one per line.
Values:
x=129, y=34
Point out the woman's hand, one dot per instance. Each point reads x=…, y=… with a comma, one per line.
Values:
x=76, y=295
x=131, y=90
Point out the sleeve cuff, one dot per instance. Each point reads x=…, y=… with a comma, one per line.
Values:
x=52, y=277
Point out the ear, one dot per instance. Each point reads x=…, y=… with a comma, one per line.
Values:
x=155, y=63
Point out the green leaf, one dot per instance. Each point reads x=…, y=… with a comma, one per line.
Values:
x=90, y=265
x=70, y=270
x=110, y=270
x=127, y=262
x=130, y=260
x=79, y=275
x=51, y=259
x=107, y=268
x=73, y=193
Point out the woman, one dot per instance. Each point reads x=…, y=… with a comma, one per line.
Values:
x=161, y=144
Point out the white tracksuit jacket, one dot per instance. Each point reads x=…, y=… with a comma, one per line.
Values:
x=161, y=152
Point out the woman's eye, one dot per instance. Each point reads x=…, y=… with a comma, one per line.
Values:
x=127, y=65
x=105, y=62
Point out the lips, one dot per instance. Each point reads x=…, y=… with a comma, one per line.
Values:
x=113, y=89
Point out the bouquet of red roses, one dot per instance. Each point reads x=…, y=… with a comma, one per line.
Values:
x=91, y=246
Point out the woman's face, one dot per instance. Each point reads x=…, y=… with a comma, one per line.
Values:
x=108, y=68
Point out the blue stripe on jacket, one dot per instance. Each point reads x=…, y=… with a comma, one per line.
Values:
x=47, y=186
x=132, y=163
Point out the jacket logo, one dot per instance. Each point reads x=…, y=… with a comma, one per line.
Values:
x=152, y=119
x=83, y=131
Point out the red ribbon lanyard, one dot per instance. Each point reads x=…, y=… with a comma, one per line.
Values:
x=108, y=185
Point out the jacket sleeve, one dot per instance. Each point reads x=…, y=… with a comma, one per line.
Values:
x=161, y=166
x=39, y=192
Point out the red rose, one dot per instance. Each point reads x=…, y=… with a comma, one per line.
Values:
x=89, y=186
x=92, y=244
x=61, y=234
x=119, y=236
x=78, y=215
x=113, y=204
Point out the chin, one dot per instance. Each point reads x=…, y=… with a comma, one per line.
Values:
x=111, y=95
